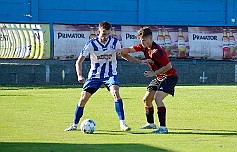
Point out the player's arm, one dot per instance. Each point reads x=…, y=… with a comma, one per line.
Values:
x=132, y=59
x=79, y=61
x=158, y=72
x=124, y=53
x=125, y=50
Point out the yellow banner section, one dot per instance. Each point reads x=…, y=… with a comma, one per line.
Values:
x=25, y=41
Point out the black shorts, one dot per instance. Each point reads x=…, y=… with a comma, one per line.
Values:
x=166, y=85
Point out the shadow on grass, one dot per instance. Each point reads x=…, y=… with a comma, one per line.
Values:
x=60, y=147
x=204, y=132
x=196, y=132
x=107, y=132
x=12, y=95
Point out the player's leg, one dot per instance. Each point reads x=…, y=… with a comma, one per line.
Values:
x=79, y=110
x=118, y=105
x=112, y=85
x=89, y=88
x=148, y=99
x=114, y=90
x=159, y=96
x=166, y=87
x=85, y=95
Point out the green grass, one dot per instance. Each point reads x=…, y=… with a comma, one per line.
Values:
x=199, y=118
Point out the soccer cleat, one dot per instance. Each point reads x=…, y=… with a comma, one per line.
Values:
x=124, y=127
x=71, y=128
x=161, y=130
x=149, y=126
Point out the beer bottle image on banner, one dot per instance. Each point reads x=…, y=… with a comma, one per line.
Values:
x=225, y=45
x=114, y=32
x=181, y=45
x=116, y=36
x=167, y=42
x=160, y=38
x=93, y=35
x=232, y=45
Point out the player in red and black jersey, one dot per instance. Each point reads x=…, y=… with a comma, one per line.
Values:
x=164, y=83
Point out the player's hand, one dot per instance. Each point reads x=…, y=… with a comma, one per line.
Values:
x=122, y=51
x=149, y=74
x=81, y=79
x=150, y=61
x=143, y=62
x=118, y=50
x=146, y=61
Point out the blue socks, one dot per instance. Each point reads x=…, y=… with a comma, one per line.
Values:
x=78, y=114
x=118, y=105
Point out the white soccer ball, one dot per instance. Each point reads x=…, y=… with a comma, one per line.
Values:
x=88, y=126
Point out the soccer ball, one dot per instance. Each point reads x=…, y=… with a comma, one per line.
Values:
x=88, y=126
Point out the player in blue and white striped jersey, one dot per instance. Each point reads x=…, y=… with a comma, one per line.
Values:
x=102, y=56
x=103, y=71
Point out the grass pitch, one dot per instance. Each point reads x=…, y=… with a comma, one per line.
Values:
x=199, y=118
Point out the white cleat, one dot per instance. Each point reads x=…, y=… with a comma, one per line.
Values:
x=71, y=128
x=124, y=127
x=149, y=126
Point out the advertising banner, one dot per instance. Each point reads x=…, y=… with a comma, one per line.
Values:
x=215, y=43
x=26, y=41
x=128, y=38
x=173, y=39
x=69, y=40
x=212, y=42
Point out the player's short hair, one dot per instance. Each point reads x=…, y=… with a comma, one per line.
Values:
x=144, y=32
x=105, y=25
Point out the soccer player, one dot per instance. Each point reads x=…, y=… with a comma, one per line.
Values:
x=162, y=85
x=102, y=71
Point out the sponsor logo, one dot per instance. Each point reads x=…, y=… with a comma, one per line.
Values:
x=130, y=36
x=204, y=37
x=71, y=35
x=105, y=56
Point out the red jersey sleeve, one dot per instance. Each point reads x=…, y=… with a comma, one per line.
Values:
x=138, y=48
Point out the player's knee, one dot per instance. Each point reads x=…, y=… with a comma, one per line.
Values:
x=82, y=102
x=115, y=94
x=146, y=101
x=146, y=98
x=159, y=103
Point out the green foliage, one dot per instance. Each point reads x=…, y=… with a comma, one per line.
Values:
x=199, y=118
